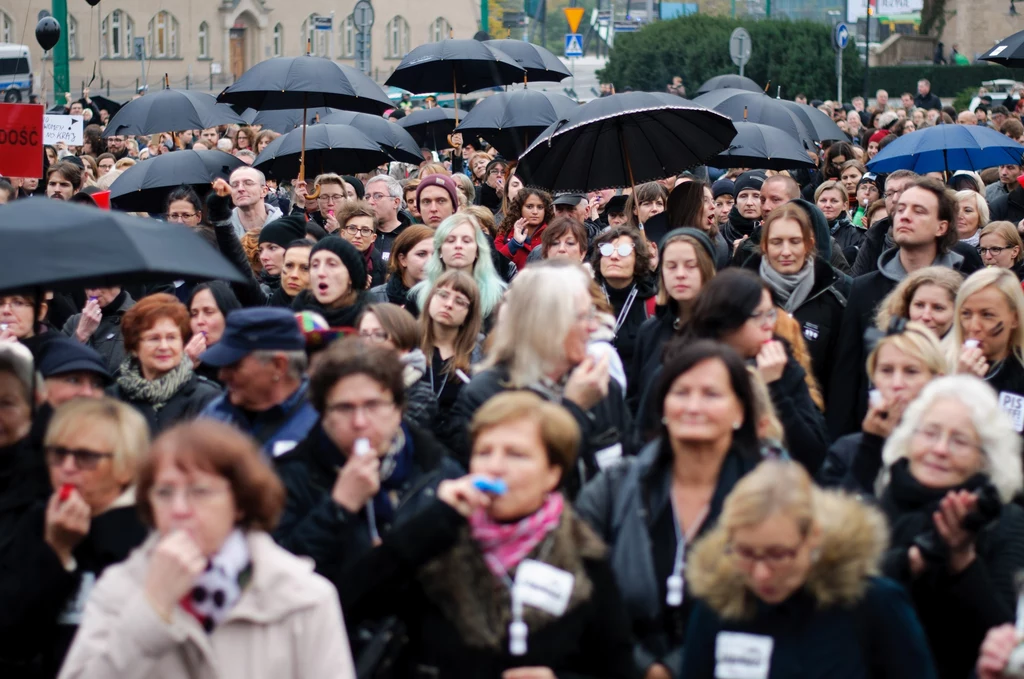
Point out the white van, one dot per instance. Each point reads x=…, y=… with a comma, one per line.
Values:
x=15, y=73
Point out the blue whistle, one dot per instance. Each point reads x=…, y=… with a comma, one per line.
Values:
x=492, y=486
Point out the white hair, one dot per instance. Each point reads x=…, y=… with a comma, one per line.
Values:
x=1000, y=444
x=225, y=145
x=394, y=188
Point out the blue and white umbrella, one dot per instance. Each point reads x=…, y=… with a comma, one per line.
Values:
x=948, y=148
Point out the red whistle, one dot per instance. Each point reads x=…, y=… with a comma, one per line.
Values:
x=65, y=492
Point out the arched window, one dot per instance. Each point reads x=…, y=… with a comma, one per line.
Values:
x=163, y=36
x=349, y=38
x=398, y=37
x=6, y=27
x=278, y=40
x=204, y=41
x=319, y=41
x=116, y=32
x=72, y=37
x=439, y=29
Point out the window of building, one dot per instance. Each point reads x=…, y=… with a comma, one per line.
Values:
x=398, y=37
x=278, y=40
x=6, y=27
x=440, y=29
x=162, y=39
x=116, y=32
x=72, y=37
x=318, y=41
x=349, y=39
x=204, y=41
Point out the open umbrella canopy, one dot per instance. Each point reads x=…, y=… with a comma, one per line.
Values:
x=623, y=140
x=392, y=138
x=764, y=148
x=54, y=245
x=144, y=187
x=949, y=148
x=457, y=66
x=105, y=104
x=510, y=121
x=285, y=120
x=1009, y=52
x=170, y=111
x=430, y=127
x=818, y=123
x=329, y=148
x=538, y=62
x=305, y=82
x=732, y=80
x=755, y=107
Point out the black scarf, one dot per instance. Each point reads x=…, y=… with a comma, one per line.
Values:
x=115, y=305
x=280, y=299
x=345, y=317
x=396, y=291
x=839, y=222
x=272, y=282
x=738, y=226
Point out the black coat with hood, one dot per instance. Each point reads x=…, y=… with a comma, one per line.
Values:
x=1008, y=206
x=847, y=236
x=848, y=384
x=343, y=317
x=820, y=315
x=828, y=249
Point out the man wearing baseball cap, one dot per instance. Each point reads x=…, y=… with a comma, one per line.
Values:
x=71, y=370
x=262, y=362
x=437, y=199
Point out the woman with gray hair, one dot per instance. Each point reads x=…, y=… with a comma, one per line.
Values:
x=952, y=469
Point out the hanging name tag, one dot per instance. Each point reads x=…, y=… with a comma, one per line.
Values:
x=545, y=587
x=75, y=605
x=606, y=457
x=1013, y=405
x=742, y=656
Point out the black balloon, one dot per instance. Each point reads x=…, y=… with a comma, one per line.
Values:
x=47, y=32
x=93, y=3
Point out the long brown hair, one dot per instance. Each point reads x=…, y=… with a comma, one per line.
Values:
x=788, y=328
x=465, y=340
x=515, y=210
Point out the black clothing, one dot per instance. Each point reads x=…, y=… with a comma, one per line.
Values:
x=877, y=240
x=651, y=338
x=1007, y=378
x=846, y=235
x=927, y=101
x=629, y=323
x=345, y=317
x=386, y=239
x=185, y=404
x=737, y=227
x=393, y=291
x=1009, y=206
x=852, y=463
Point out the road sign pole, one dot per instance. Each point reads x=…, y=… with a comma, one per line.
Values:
x=742, y=63
x=839, y=74
x=61, y=74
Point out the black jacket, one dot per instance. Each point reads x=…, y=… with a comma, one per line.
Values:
x=23, y=482
x=431, y=574
x=852, y=463
x=629, y=324
x=386, y=239
x=41, y=603
x=606, y=425
x=820, y=316
x=343, y=317
x=877, y=241
x=314, y=525
x=650, y=343
x=185, y=404
x=1008, y=381
x=1008, y=206
x=927, y=101
x=393, y=291
x=846, y=235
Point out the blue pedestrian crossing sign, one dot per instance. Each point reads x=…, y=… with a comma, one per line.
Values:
x=573, y=45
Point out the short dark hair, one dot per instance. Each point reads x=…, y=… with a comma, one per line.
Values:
x=71, y=171
x=642, y=264
x=221, y=449
x=560, y=226
x=725, y=304
x=183, y=192
x=353, y=356
x=947, y=209
x=996, y=110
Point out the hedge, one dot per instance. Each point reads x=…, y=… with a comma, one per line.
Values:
x=947, y=81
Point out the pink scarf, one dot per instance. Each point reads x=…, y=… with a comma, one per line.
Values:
x=506, y=544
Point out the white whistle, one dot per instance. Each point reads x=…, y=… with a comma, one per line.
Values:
x=517, y=632
x=971, y=344
x=361, y=447
x=674, y=590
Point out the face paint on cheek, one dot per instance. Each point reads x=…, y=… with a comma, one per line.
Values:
x=997, y=330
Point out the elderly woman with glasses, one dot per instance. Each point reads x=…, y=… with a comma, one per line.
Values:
x=50, y=563
x=787, y=587
x=209, y=593
x=359, y=224
x=951, y=471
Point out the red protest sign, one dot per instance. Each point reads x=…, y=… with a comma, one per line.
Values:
x=21, y=140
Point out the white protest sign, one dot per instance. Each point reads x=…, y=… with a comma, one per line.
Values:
x=67, y=129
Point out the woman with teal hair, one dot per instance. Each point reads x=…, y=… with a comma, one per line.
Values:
x=461, y=245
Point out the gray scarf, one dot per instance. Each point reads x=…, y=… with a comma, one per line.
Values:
x=791, y=289
x=155, y=392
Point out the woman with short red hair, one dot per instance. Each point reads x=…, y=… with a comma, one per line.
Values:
x=157, y=377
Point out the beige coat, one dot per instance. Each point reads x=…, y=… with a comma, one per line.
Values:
x=286, y=625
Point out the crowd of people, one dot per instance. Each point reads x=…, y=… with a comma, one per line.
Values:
x=730, y=423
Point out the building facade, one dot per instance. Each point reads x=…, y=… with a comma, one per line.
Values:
x=199, y=42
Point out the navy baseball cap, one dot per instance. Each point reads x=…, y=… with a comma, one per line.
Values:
x=63, y=355
x=258, y=329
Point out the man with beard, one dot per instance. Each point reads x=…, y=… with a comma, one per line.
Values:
x=63, y=180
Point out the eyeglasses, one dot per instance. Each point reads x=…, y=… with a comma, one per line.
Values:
x=445, y=295
x=373, y=409
x=353, y=230
x=331, y=197
x=993, y=251
x=958, y=444
x=762, y=316
x=772, y=557
x=377, y=196
x=157, y=340
x=15, y=303
x=624, y=249
x=180, y=216
x=194, y=495
x=84, y=459
x=374, y=335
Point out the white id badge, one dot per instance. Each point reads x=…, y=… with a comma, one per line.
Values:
x=606, y=457
x=742, y=656
x=1013, y=405
x=545, y=587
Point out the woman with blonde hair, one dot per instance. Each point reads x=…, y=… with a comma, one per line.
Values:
x=972, y=216
x=988, y=336
x=1000, y=245
x=927, y=296
x=788, y=584
x=903, y=361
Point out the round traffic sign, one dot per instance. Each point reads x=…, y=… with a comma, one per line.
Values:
x=362, y=15
x=841, y=36
x=739, y=46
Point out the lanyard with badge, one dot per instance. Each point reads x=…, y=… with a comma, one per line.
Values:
x=676, y=582
x=621, y=318
x=539, y=585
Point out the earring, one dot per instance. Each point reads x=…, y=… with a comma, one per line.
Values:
x=736, y=426
x=664, y=420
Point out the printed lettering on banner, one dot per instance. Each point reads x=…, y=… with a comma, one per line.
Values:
x=21, y=140
x=542, y=586
x=1013, y=405
x=742, y=656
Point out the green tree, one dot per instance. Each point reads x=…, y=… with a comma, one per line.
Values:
x=796, y=55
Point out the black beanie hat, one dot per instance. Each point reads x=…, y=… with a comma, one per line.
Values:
x=693, y=233
x=348, y=255
x=723, y=187
x=356, y=184
x=749, y=180
x=284, y=230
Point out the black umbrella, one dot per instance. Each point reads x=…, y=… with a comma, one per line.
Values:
x=392, y=138
x=754, y=107
x=739, y=82
x=54, y=245
x=144, y=187
x=510, y=121
x=103, y=103
x=285, y=120
x=819, y=124
x=328, y=148
x=430, y=127
x=457, y=66
x=170, y=111
x=762, y=147
x=1009, y=52
x=624, y=140
x=538, y=62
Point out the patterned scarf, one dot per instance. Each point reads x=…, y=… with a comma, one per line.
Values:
x=506, y=544
x=220, y=586
x=155, y=392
